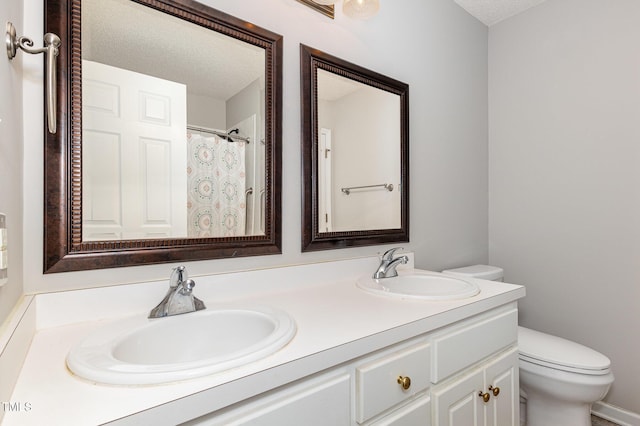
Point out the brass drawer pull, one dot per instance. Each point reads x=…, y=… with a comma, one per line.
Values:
x=405, y=382
x=496, y=390
x=485, y=396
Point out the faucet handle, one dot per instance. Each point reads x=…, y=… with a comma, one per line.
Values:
x=187, y=286
x=388, y=255
x=178, y=275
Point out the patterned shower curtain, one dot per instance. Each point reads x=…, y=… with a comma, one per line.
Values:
x=216, y=184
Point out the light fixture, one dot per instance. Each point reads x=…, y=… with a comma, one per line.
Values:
x=359, y=9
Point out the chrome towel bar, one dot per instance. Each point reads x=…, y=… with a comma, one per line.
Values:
x=387, y=186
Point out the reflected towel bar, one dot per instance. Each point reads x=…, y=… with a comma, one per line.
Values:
x=387, y=186
x=262, y=209
x=247, y=192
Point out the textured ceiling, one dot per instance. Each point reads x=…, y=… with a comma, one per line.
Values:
x=493, y=11
x=127, y=35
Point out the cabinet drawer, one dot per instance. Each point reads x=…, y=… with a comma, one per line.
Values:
x=377, y=387
x=416, y=413
x=473, y=342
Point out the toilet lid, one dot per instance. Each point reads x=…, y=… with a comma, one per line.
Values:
x=485, y=272
x=560, y=353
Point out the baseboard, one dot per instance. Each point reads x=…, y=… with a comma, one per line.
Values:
x=15, y=338
x=615, y=414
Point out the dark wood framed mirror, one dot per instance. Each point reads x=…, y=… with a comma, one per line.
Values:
x=355, y=154
x=101, y=212
x=327, y=10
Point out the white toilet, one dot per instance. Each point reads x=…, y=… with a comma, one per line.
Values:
x=560, y=379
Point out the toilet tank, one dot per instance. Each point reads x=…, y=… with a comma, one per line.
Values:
x=485, y=272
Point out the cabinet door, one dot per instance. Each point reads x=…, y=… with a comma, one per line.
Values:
x=457, y=403
x=502, y=376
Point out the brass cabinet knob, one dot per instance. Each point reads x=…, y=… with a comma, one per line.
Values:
x=405, y=382
x=485, y=396
x=496, y=390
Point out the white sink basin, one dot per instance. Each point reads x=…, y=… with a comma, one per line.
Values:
x=138, y=351
x=416, y=284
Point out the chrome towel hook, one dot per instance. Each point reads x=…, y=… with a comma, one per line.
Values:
x=50, y=49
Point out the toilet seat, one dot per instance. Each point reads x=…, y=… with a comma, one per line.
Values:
x=560, y=354
x=560, y=367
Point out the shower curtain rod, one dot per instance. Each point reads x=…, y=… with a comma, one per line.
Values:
x=219, y=133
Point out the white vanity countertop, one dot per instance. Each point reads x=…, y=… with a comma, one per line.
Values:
x=335, y=321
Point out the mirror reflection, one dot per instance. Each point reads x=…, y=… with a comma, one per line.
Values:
x=169, y=136
x=355, y=141
x=359, y=179
x=173, y=127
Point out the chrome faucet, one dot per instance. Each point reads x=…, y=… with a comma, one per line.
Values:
x=179, y=299
x=388, y=264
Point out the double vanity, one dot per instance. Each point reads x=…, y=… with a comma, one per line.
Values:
x=306, y=344
x=337, y=343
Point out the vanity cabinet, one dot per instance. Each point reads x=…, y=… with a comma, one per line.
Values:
x=459, y=375
x=486, y=395
x=387, y=388
x=475, y=371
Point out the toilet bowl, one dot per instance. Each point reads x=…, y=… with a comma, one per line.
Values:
x=560, y=379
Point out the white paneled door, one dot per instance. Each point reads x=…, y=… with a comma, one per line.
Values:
x=133, y=154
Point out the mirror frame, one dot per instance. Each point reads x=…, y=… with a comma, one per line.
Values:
x=312, y=239
x=64, y=249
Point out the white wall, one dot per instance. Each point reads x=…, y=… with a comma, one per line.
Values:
x=11, y=158
x=435, y=47
x=244, y=104
x=564, y=175
x=365, y=150
x=244, y=112
x=205, y=111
